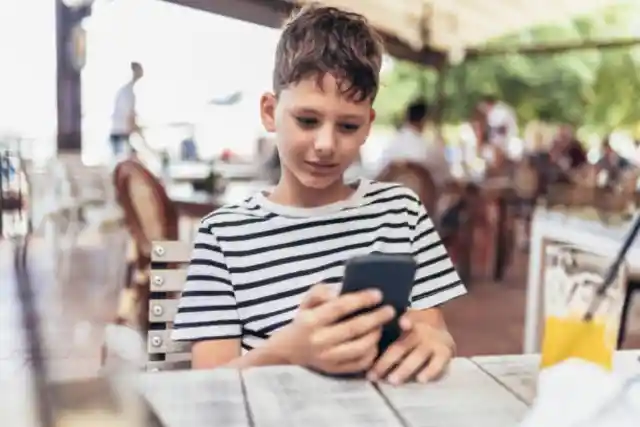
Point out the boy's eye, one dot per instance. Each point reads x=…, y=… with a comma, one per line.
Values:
x=307, y=122
x=349, y=127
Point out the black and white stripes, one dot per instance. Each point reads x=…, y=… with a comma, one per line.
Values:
x=253, y=262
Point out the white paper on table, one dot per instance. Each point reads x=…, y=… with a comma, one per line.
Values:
x=576, y=393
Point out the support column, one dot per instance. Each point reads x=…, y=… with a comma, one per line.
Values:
x=441, y=100
x=68, y=78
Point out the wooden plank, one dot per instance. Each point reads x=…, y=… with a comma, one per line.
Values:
x=293, y=396
x=196, y=398
x=159, y=342
x=172, y=362
x=267, y=13
x=171, y=251
x=466, y=396
x=168, y=280
x=519, y=373
x=162, y=310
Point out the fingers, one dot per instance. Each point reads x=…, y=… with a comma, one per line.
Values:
x=409, y=358
x=410, y=365
x=353, y=350
x=359, y=365
x=393, y=356
x=347, y=304
x=353, y=328
x=436, y=367
x=317, y=295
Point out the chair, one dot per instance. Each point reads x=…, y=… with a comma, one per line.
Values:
x=526, y=190
x=419, y=179
x=415, y=177
x=12, y=200
x=149, y=215
x=166, y=280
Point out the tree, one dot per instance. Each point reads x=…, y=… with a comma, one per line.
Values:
x=598, y=90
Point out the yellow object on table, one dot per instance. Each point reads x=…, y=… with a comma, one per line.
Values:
x=566, y=338
x=572, y=277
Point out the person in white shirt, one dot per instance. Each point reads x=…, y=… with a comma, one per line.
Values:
x=123, y=119
x=409, y=145
x=502, y=124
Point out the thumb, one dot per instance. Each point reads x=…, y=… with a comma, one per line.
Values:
x=318, y=295
x=406, y=323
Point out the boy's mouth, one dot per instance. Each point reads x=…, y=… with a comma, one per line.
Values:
x=322, y=167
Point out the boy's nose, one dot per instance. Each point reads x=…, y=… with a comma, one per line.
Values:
x=325, y=142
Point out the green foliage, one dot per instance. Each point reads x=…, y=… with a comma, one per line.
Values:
x=595, y=89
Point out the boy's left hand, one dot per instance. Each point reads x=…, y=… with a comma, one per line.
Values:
x=423, y=353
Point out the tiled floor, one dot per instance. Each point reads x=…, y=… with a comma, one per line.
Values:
x=490, y=318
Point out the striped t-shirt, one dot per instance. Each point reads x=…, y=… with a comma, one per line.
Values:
x=253, y=262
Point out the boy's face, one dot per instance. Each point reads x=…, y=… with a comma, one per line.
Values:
x=319, y=131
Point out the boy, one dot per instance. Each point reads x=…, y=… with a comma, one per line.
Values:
x=262, y=284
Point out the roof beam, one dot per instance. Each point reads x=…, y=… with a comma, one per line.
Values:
x=548, y=49
x=272, y=13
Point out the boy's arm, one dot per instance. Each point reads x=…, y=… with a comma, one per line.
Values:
x=227, y=352
x=207, y=312
x=436, y=279
x=430, y=316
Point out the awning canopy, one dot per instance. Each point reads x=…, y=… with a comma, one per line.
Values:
x=423, y=30
x=452, y=24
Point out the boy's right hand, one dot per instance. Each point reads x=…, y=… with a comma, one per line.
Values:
x=319, y=338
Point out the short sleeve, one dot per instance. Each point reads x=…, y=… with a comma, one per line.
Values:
x=207, y=309
x=436, y=278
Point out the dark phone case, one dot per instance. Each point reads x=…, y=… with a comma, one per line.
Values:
x=393, y=275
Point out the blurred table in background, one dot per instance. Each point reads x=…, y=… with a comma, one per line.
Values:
x=193, y=205
x=196, y=171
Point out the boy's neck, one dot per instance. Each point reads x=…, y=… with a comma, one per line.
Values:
x=289, y=192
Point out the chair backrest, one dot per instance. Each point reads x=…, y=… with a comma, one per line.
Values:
x=415, y=177
x=166, y=281
x=149, y=213
x=526, y=180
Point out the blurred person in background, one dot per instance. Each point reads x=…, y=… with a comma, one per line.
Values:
x=567, y=151
x=124, y=119
x=188, y=147
x=409, y=145
x=635, y=157
x=501, y=127
x=611, y=162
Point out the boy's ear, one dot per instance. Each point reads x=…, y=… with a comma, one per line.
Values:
x=372, y=115
x=268, y=103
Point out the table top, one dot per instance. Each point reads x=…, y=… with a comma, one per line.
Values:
x=488, y=391
x=483, y=391
x=189, y=171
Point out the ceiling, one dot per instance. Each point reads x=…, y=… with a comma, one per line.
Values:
x=453, y=24
x=423, y=30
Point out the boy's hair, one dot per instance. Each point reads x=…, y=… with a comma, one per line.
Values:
x=319, y=40
x=417, y=111
x=489, y=98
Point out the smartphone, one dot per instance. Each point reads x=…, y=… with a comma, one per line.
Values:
x=393, y=275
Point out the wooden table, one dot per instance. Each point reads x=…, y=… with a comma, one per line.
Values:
x=490, y=391
x=200, y=203
x=193, y=205
x=189, y=171
x=566, y=228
